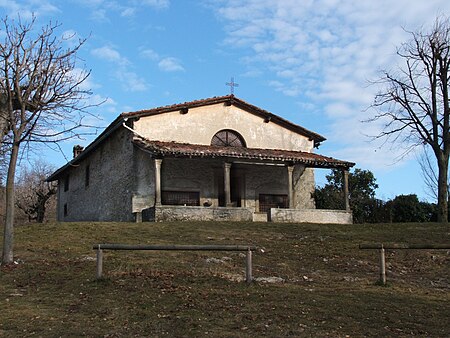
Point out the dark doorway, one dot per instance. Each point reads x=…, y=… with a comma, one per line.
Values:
x=236, y=189
x=236, y=185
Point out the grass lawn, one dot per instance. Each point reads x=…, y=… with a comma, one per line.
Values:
x=325, y=285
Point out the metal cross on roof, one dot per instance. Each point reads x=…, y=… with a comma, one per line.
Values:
x=232, y=84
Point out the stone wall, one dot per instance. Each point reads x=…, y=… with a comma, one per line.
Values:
x=304, y=186
x=144, y=181
x=111, y=181
x=188, y=213
x=311, y=216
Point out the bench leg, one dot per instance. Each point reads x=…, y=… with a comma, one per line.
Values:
x=382, y=267
x=99, y=263
x=248, y=267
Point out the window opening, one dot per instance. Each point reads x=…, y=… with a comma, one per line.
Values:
x=190, y=198
x=267, y=201
x=228, y=138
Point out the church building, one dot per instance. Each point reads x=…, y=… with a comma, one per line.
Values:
x=219, y=158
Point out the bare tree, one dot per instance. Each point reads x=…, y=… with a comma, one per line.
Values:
x=430, y=175
x=414, y=104
x=33, y=192
x=44, y=99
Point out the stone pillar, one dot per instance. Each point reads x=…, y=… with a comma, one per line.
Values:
x=346, y=199
x=158, y=162
x=291, y=187
x=227, y=183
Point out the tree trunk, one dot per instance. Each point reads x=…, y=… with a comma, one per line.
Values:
x=8, y=238
x=40, y=210
x=442, y=207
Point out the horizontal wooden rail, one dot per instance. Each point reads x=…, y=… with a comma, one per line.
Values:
x=174, y=247
x=382, y=247
x=248, y=249
x=404, y=246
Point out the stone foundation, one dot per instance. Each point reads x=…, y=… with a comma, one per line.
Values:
x=260, y=217
x=189, y=213
x=311, y=216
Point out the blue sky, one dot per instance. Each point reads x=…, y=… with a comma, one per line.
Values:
x=308, y=61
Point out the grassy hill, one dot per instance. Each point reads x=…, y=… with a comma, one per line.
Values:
x=325, y=285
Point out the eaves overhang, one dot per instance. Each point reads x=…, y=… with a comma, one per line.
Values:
x=185, y=150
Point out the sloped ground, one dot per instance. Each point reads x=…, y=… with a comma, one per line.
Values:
x=312, y=281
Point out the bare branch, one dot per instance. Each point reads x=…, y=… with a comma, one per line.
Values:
x=42, y=99
x=414, y=103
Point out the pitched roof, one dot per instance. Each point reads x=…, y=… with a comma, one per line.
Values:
x=173, y=149
x=230, y=100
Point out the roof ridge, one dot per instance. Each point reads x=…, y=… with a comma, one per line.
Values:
x=181, y=104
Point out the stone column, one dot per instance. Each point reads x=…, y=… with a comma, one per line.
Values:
x=291, y=187
x=158, y=162
x=227, y=183
x=346, y=199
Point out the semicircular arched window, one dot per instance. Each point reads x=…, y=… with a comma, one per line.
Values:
x=228, y=138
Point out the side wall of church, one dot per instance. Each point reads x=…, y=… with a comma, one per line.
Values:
x=200, y=124
x=108, y=195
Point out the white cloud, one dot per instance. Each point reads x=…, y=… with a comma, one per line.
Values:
x=170, y=64
x=108, y=53
x=166, y=64
x=129, y=79
x=157, y=3
x=128, y=12
x=102, y=9
x=28, y=9
x=88, y=83
x=149, y=54
x=328, y=50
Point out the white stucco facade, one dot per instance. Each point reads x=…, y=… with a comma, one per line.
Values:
x=200, y=124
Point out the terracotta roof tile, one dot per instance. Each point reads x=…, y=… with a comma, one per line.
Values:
x=173, y=149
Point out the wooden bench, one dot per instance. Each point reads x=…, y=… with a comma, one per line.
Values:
x=244, y=248
x=382, y=247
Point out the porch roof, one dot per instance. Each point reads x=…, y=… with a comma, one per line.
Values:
x=173, y=149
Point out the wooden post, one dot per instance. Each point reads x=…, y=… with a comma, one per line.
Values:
x=398, y=246
x=290, y=186
x=382, y=266
x=158, y=162
x=248, y=266
x=99, y=262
